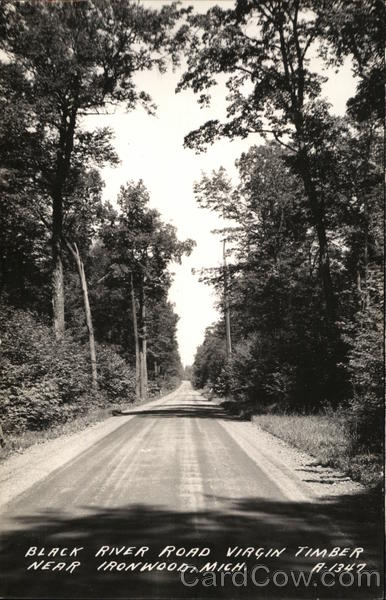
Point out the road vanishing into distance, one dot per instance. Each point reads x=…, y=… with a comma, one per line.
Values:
x=180, y=483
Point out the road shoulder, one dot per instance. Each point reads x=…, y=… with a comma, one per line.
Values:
x=20, y=471
x=295, y=472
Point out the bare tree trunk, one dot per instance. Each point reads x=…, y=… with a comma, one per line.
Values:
x=226, y=307
x=143, y=343
x=138, y=377
x=87, y=312
x=359, y=283
x=145, y=376
x=64, y=151
x=366, y=298
x=143, y=363
x=142, y=391
x=57, y=269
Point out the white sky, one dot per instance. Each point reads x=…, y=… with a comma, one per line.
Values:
x=151, y=148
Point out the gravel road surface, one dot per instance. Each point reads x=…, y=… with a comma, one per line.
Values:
x=170, y=476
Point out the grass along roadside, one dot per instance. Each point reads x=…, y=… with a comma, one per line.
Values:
x=325, y=437
x=327, y=440
x=18, y=442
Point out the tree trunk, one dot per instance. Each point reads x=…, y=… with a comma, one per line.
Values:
x=143, y=343
x=136, y=341
x=226, y=307
x=63, y=160
x=57, y=268
x=87, y=312
x=359, y=283
x=2, y=439
x=366, y=297
x=142, y=390
x=145, y=376
x=317, y=212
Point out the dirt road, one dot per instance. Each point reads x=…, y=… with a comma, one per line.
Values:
x=179, y=475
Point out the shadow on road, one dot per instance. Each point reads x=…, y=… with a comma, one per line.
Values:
x=171, y=411
x=247, y=522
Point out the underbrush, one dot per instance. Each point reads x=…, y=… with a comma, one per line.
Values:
x=45, y=384
x=18, y=442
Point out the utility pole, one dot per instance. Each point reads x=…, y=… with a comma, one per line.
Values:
x=226, y=306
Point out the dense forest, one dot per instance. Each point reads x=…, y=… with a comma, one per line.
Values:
x=85, y=317
x=304, y=281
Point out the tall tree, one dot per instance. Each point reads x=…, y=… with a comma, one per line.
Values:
x=357, y=30
x=210, y=357
x=282, y=348
x=75, y=58
x=142, y=247
x=264, y=50
x=163, y=356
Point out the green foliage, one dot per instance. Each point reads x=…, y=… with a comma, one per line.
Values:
x=279, y=327
x=115, y=377
x=305, y=279
x=31, y=348
x=43, y=381
x=140, y=243
x=94, y=53
x=164, y=361
x=296, y=250
x=61, y=62
x=357, y=29
x=34, y=407
x=138, y=248
x=287, y=356
x=187, y=373
x=365, y=413
x=210, y=358
x=24, y=264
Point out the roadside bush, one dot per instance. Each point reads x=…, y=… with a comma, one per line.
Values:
x=69, y=365
x=163, y=384
x=34, y=407
x=44, y=382
x=116, y=377
x=365, y=412
x=32, y=352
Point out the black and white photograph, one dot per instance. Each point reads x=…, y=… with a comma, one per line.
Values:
x=192, y=340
